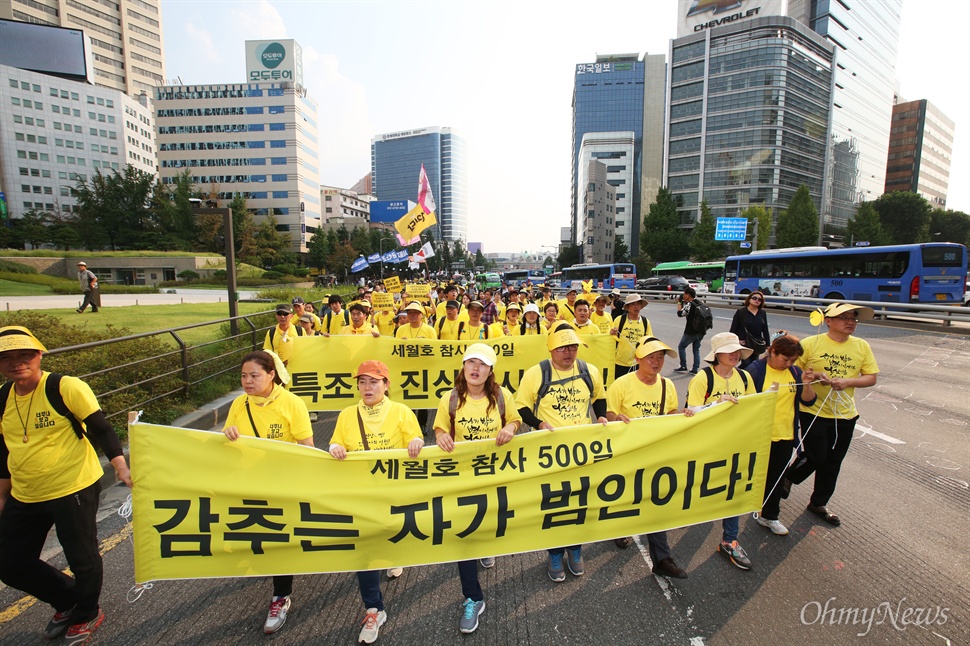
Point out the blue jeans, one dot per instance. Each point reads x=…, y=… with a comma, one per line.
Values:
x=729, y=529
x=370, y=589
x=559, y=551
x=695, y=341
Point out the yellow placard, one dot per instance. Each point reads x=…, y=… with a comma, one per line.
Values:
x=419, y=292
x=382, y=301
x=421, y=370
x=392, y=284
x=414, y=222
x=206, y=507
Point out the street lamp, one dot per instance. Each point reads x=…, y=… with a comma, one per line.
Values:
x=380, y=250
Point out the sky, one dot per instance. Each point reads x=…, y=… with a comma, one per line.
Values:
x=501, y=73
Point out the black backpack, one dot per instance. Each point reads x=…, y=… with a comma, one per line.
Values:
x=52, y=390
x=704, y=318
x=545, y=366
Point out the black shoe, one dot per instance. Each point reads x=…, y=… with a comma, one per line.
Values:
x=59, y=623
x=786, y=486
x=94, y=311
x=79, y=311
x=825, y=514
x=680, y=369
x=667, y=567
x=693, y=371
x=623, y=543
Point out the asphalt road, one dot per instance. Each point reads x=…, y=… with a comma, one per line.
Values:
x=899, y=557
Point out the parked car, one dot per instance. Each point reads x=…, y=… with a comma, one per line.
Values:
x=663, y=283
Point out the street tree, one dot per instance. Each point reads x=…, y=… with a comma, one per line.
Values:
x=703, y=246
x=866, y=227
x=798, y=224
x=950, y=226
x=662, y=237
x=905, y=216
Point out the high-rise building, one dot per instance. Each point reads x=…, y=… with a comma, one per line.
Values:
x=920, y=151
x=257, y=139
x=749, y=115
x=126, y=37
x=618, y=118
x=598, y=206
x=56, y=131
x=396, y=159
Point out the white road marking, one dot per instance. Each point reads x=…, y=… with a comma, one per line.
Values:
x=882, y=436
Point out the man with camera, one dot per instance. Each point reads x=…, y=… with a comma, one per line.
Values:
x=694, y=330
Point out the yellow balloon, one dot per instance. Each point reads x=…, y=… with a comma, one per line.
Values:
x=816, y=317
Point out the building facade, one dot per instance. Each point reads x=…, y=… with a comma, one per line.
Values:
x=126, y=36
x=599, y=213
x=620, y=93
x=748, y=119
x=55, y=132
x=920, y=151
x=343, y=207
x=396, y=159
x=254, y=139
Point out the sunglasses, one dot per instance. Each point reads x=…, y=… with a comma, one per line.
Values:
x=282, y=314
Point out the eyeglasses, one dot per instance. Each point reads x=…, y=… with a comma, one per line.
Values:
x=847, y=319
x=566, y=348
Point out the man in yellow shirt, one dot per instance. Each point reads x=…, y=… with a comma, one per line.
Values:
x=600, y=317
x=582, y=324
x=562, y=391
x=451, y=295
x=280, y=338
x=358, y=322
x=335, y=319
x=300, y=309
x=447, y=326
x=628, y=328
x=50, y=476
x=415, y=327
x=567, y=306
x=474, y=329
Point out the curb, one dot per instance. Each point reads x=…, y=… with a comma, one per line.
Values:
x=203, y=419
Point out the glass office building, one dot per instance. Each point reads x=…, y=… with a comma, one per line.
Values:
x=748, y=120
x=396, y=159
x=612, y=97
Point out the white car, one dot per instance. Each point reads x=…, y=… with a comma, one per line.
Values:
x=699, y=286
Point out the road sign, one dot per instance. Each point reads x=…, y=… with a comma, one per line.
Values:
x=862, y=243
x=745, y=245
x=731, y=229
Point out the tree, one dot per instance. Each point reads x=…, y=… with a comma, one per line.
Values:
x=702, y=243
x=950, y=226
x=865, y=226
x=568, y=256
x=761, y=215
x=319, y=250
x=480, y=260
x=271, y=246
x=343, y=257
x=662, y=238
x=621, y=252
x=798, y=224
x=360, y=241
x=116, y=209
x=905, y=216
x=548, y=262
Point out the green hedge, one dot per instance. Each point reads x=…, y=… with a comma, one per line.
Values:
x=8, y=266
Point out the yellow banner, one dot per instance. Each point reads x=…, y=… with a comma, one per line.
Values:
x=392, y=284
x=382, y=301
x=421, y=371
x=419, y=292
x=414, y=222
x=206, y=507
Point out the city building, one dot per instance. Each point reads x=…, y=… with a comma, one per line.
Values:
x=920, y=151
x=257, y=139
x=56, y=131
x=598, y=213
x=127, y=51
x=364, y=186
x=396, y=159
x=618, y=117
x=749, y=115
x=343, y=207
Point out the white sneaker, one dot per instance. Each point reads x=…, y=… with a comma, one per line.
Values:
x=373, y=621
x=774, y=525
x=277, y=614
x=487, y=562
x=395, y=572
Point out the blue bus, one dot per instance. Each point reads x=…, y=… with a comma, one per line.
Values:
x=518, y=277
x=912, y=273
x=621, y=275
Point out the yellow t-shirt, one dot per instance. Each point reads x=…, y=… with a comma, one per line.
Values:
x=584, y=330
x=603, y=321
x=734, y=386
x=332, y=323
x=388, y=425
x=447, y=330
x=473, y=420
x=784, y=425
x=566, y=311
x=626, y=343
x=566, y=404
x=500, y=311
x=441, y=312
x=282, y=342
x=631, y=397
x=350, y=330
x=53, y=462
x=384, y=322
x=283, y=416
x=471, y=332
x=850, y=359
x=496, y=330
x=295, y=320
x=408, y=332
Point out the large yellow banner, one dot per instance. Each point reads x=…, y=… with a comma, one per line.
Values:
x=207, y=507
x=321, y=368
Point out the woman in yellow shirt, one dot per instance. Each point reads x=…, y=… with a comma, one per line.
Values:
x=476, y=409
x=269, y=411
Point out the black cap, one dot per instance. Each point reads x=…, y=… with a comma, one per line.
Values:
x=454, y=304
